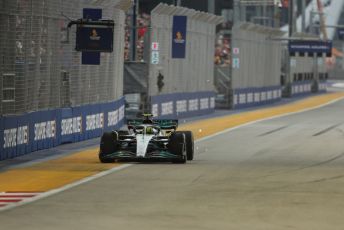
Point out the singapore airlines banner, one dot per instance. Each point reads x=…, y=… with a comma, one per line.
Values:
x=179, y=36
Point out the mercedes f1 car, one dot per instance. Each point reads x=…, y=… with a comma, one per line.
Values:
x=147, y=139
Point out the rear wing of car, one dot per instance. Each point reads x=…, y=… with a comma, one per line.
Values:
x=167, y=123
x=162, y=123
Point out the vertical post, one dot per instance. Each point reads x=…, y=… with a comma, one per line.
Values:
x=133, y=32
x=277, y=16
x=179, y=2
x=291, y=17
x=311, y=22
x=315, y=88
x=243, y=12
x=265, y=23
x=288, y=88
x=236, y=8
x=303, y=13
x=211, y=6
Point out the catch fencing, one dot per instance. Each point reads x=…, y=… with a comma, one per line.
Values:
x=40, y=69
x=256, y=65
x=47, y=97
x=193, y=74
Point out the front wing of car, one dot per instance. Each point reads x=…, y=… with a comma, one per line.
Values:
x=158, y=155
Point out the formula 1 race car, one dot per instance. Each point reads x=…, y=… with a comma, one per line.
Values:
x=147, y=139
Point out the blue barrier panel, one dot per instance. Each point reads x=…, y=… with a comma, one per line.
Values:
x=121, y=109
x=310, y=47
x=94, y=121
x=67, y=127
x=10, y=137
x=23, y=146
x=44, y=126
x=248, y=97
x=193, y=104
x=80, y=123
x=111, y=115
x=32, y=143
x=166, y=105
x=45, y=129
x=2, y=139
x=182, y=105
x=301, y=88
x=322, y=86
x=241, y=97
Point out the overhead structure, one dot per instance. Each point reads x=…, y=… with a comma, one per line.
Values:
x=258, y=2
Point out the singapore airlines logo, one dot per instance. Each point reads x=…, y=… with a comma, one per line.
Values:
x=179, y=38
x=94, y=35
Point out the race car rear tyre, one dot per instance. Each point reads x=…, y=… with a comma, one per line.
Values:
x=189, y=140
x=108, y=145
x=176, y=146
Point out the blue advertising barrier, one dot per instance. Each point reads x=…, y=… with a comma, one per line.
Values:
x=1, y=138
x=310, y=47
x=301, y=88
x=34, y=131
x=9, y=137
x=248, y=97
x=305, y=87
x=182, y=105
x=323, y=86
x=2, y=154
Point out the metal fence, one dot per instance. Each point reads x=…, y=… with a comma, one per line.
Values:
x=195, y=72
x=40, y=70
x=256, y=57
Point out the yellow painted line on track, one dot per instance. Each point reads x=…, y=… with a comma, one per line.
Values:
x=53, y=174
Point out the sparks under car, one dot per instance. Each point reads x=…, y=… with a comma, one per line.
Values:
x=147, y=139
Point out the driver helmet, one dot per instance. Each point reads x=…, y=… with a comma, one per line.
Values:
x=149, y=130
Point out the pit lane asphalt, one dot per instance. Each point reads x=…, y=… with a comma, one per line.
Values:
x=275, y=174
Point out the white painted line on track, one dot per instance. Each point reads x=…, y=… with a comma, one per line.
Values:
x=107, y=172
x=267, y=119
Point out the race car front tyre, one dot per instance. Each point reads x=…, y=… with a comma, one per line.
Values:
x=176, y=146
x=189, y=140
x=108, y=145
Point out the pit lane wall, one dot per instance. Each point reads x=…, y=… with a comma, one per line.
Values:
x=248, y=97
x=308, y=74
x=256, y=65
x=188, y=88
x=182, y=105
x=22, y=134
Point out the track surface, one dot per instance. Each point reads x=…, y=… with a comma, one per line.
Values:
x=284, y=173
